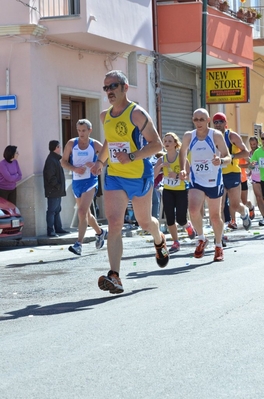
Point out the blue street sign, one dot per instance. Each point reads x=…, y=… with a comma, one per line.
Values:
x=8, y=102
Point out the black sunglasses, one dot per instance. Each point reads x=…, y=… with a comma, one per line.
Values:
x=218, y=121
x=112, y=86
x=262, y=138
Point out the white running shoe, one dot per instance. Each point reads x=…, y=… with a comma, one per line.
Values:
x=99, y=239
x=246, y=221
x=76, y=248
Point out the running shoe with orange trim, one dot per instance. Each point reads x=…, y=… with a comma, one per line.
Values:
x=219, y=254
x=199, y=251
x=111, y=283
x=252, y=213
x=162, y=253
x=190, y=231
x=232, y=224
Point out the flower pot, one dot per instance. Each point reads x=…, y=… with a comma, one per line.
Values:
x=251, y=20
x=241, y=15
x=213, y=3
x=223, y=7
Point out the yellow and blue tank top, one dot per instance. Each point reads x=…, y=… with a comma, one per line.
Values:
x=233, y=149
x=169, y=183
x=122, y=135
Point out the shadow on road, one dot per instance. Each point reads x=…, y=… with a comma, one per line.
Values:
x=64, y=307
x=17, y=265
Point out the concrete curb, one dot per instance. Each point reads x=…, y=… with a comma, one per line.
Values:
x=44, y=240
x=127, y=231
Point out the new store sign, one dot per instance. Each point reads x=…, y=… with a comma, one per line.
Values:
x=227, y=85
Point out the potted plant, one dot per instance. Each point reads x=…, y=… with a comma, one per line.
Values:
x=213, y=3
x=251, y=14
x=241, y=13
x=224, y=6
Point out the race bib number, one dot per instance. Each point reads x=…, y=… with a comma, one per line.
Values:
x=168, y=181
x=114, y=148
x=203, y=166
x=261, y=162
x=85, y=175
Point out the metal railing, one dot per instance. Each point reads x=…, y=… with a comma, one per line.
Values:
x=258, y=30
x=59, y=8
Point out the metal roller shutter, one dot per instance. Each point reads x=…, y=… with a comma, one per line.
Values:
x=176, y=109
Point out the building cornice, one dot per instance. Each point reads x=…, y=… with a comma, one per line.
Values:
x=27, y=29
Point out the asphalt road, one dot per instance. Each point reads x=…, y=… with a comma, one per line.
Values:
x=193, y=330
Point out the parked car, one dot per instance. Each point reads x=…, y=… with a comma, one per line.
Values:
x=11, y=221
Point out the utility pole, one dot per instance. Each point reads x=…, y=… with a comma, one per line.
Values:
x=204, y=37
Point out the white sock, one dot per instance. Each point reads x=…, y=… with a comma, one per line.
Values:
x=202, y=237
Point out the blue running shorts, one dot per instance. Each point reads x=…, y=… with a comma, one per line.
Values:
x=132, y=187
x=231, y=180
x=210, y=192
x=82, y=186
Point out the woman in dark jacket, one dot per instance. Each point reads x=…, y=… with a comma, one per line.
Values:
x=54, y=185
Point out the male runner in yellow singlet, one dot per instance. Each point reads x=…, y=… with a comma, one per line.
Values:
x=130, y=139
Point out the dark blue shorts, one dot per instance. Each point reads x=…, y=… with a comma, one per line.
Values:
x=210, y=192
x=231, y=180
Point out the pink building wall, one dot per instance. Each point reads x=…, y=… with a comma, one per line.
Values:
x=37, y=72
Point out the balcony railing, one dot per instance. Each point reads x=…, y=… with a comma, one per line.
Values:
x=59, y=8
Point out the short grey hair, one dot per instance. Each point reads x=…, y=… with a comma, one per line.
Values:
x=122, y=78
x=84, y=122
x=202, y=111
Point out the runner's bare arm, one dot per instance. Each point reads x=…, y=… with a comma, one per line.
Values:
x=143, y=121
x=236, y=140
x=183, y=155
x=220, y=143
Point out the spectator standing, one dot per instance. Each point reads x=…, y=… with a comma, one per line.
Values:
x=208, y=152
x=79, y=156
x=175, y=191
x=10, y=173
x=130, y=139
x=232, y=171
x=54, y=186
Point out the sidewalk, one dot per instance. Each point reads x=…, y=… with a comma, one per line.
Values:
x=45, y=240
x=130, y=231
x=64, y=239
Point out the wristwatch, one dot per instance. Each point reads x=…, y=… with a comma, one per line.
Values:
x=132, y=156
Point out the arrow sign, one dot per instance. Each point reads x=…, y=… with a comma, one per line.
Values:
x=8, y=102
